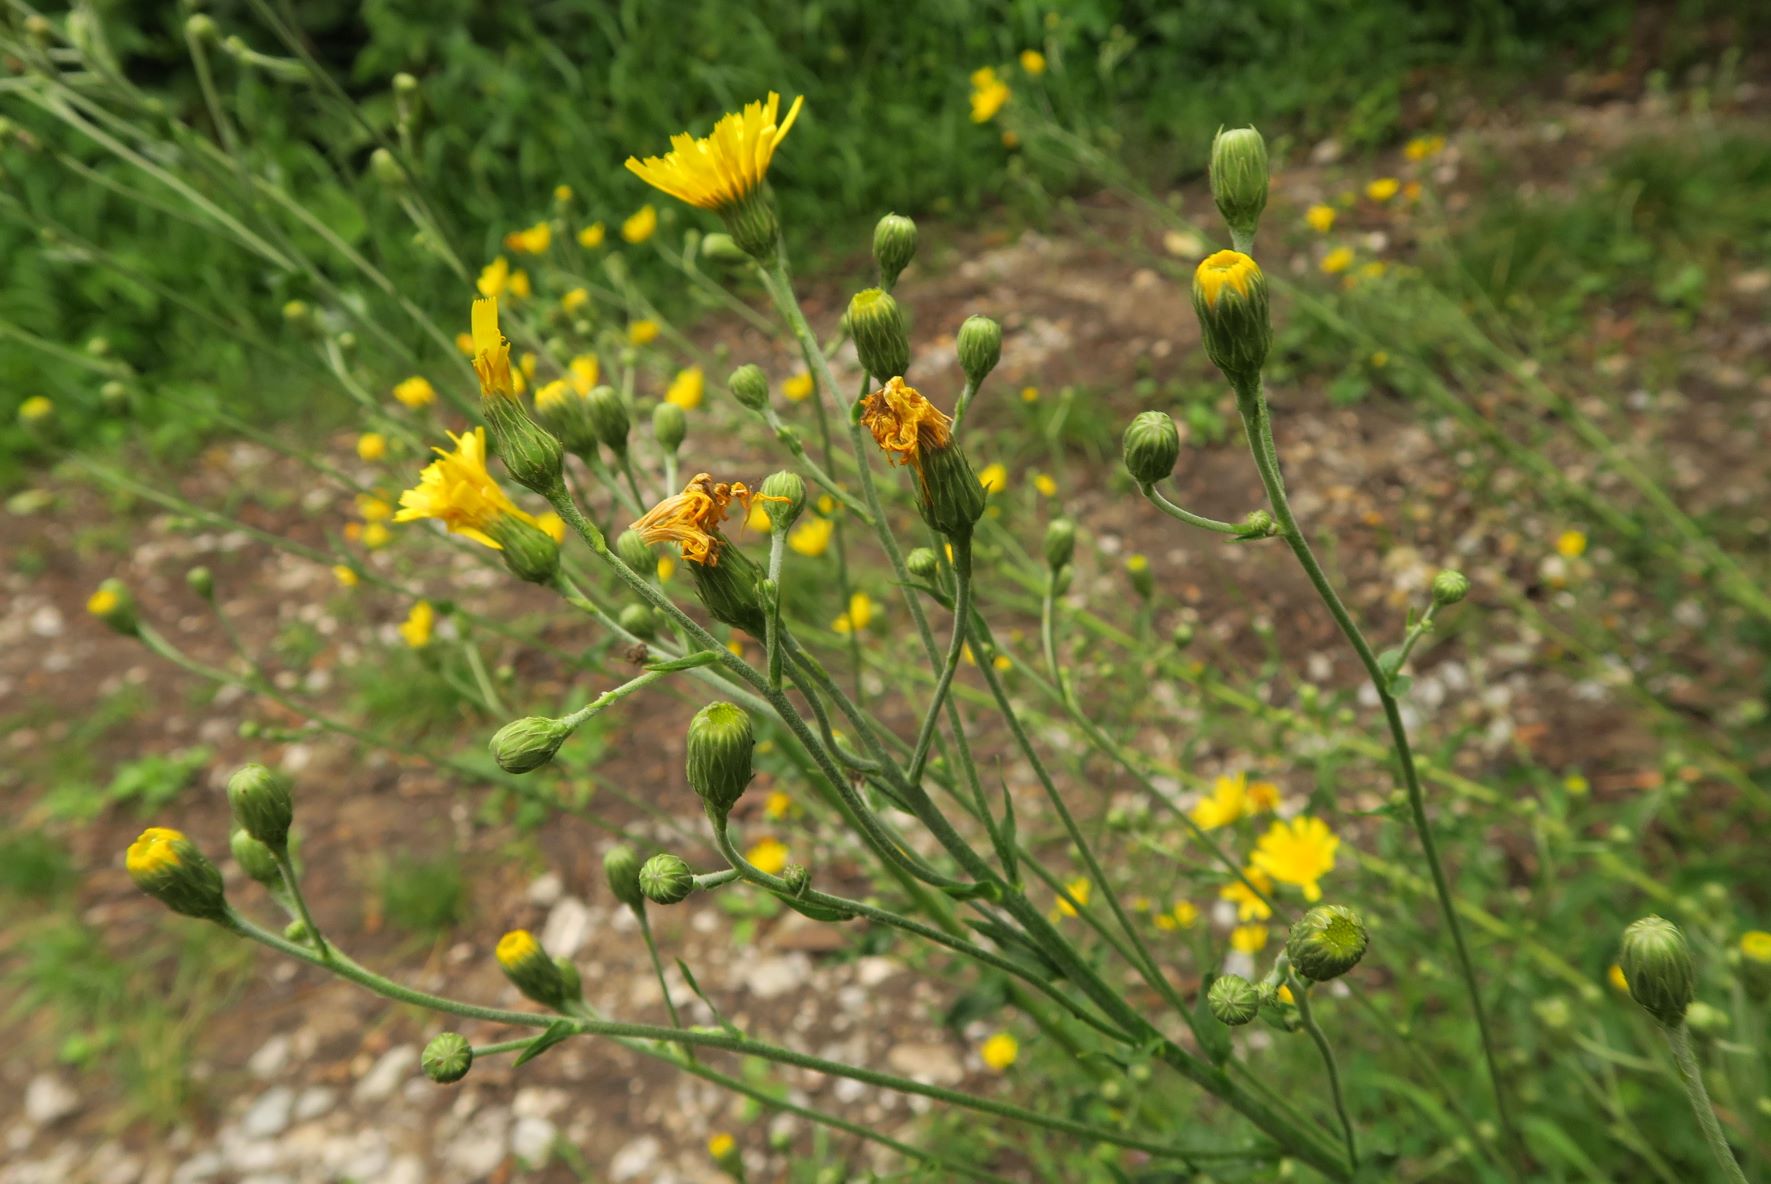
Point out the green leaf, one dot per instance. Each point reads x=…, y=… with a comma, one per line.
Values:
x=1390, y=661
x=556, y=1032
x=718, y=1016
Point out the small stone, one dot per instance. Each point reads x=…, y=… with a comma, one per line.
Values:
x=271, y=1058
x=532, y=1140
x=931, y=1064
x=269, y=1114
x=49, y=1099
x=567, y=928
x=385, y=1075
x=314, y=1101
x=546, y=890
x=774, y=977
x=480, y=1147
x=635, y=1161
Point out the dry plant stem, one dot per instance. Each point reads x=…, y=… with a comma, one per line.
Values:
x=1251, y=402
x=1691, y=1076
x=1300, y=991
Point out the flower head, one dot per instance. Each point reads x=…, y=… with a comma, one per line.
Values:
x=592, y=236
x=415, y=392
x=1000, y=1051
x=691, y=519
x=1225, y=269
x=800, y=386
x=1249, y=939
x=768, y=855
x=154, y=851
x=1249, y=905
x=686, y=388
x=640, y=225
x=1320, y=218
x=989, y=94
x=371, y=446
x=491, y=351
x=1298, y=852
x=811, y=538
x=416, y=629
x=1033, y=62
x=1756, y=945
x=35, y=409
x=1383, y=189
x=905, y=424
x=457, y=491
x=1337, y=260
x=532, y=240
x=725, y=168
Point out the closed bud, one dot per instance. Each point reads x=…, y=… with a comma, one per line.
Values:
x=881, y=340
x=639, y=620
x=114, y=395
x=1449, y=587
x=201, y=29
x=297, y=932
x=670, y=426
x=1060, y=542
x=565, y=414
x=262, y=805
x=622, y=869
x=894, y=246
x=720, y=747
x=784, y=485
x=200, y=581
x=923, y=563
x=1230, y=298
x=524, y=745
x=386, y=169
x=1239, y=179
x=797, y=877
x=405, y=84
x=750, y=386
x=168, y=867
x=1705, y=1020
x=1657, y=963
x=723, y=248
x=1182, y=636
x=731, y=590
x=529, y=552
x=255, y=859
x=532, y=455
x=1259, y=524
x=1143, y=581
x=979, y=345
x=447, y=1058
x=297, y=312
x=666, y=879
x=527, y=965
x=1234, y=1001
x=1326, y=942
x=608, y=418
x=113, y=605
x=1151, y=445
x=634, y=552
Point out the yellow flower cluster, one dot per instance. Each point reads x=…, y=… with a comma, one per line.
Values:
x=989, y=94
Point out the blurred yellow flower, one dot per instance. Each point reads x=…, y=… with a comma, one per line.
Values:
x=1079, y=889
x=585, y=371
x=519, y=283
x=1411, y=191
x=1756, y=944
x=768, y=855
x=826, y=505
x=532, y=240
x=1373, y=270
x=777, y=805
x=722, y=170
x=1045, y=485
x=1298, y=852
x=642, y=332
x=104, y=602
x=666, y=568
x=346, y=577
x=1002, y=662
x=494, y=278
x=800, y=386
x=552, y=525
x=999, y=1051
x=464, y=343
x=1320, y=218
x=562, y=193
x=989, y=94
x=859, y=615
x=592, y=236
x=1249, y=939
x=1227, y=802
x=639, y=226
x=1182, y=916
x=1033, y=62
x=35, y=409
x=1423, y=147
x=417, y=627
x=721, y=1145
x=417, y=391
x=376, y=536
x=811, y=537
x=574, y=299
x=1337, y=260
x=371, y=446
x=1571, y=544
x=1383, y=189
x=686, y=388
x=1249, y=905
x=758, y=518
x=1029, y=394
x=373, y=509
x=993, y=478
x=1616, y=978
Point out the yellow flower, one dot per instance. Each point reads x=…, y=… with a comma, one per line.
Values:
x=517, y=947
x=552, y=394
x=35, y=409
x=574, y=300
x=417, y=391
x=1262, y=796
x=1374, y=269
x=1380, y=359
x=1423, y=147
x=104, y=602
x=640, y=224
x=1337, y=260
x=777, y=805
x=1576, y=785
x=723, y=169
x=585, y=371
x=552, y=525
x=1029, y=394
x=530, y=241
x=798, y=387
x=1249, y=939
x=417, y=627
x=491, y=356
x=519, y=283
x=691, y=518
x=1044, y=483
x=1137, y=563
x=1227, y=802
x=811, y=537
x=1033, y=62
x=1225, y=269
x=1616, y=978
x=1383, y=189
x=494, y=279
x=1249, y=905
x=592, y=236
x=1284, y=993
x=666, y=568
x=346, y=577
x=758, y=518
x=1003, y=663
x=1298, y=852
x=736, y=646
x=457, y=491
x=1320, y=218
x=1000, y=1051
x=376, y=535
x=464, y=343
x=1077, y=888
x=993, y=478
x=1411, y=191
x=1186, y=915
x=768, y=855
x=989, y=94
x=685, y=389
x=1571, y=544
x=721, y=1145
x=373, y=509
x=562, y=193
x=1756, y=944
x=642, y=332
x=371, y=445
x=826, y=504
x=859, y=614
x=154, y=850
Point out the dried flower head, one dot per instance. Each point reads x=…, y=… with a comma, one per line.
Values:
x=691, y=519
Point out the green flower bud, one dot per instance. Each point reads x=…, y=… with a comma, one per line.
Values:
x=1060, y=542
x=670, y=425
x=1152, y=444
x=750, y=386
x=1555, y=1013
x=1239, y=179
x=1326, y=942
x=386, y=169
x=783, y=514
x=894, y=246
x=168, y=867
x=113, y=605
x=405, y=84
x=1259, y=524
x=923, y=563
x=609, y=418
x=723, y=248
x=297, y=932
x=524, y=745
x=731, y=590
x=564, y=412
x=262, y=805
x=527, y=965
x=1230, y=298
x=881, y=340
x=1233, y=1000
x=797, y=877
x=622, y=869
x=1657, y=963
x=1142, y=581
x=447, y=1058
x=529, y=552
x=1705, y=1020
x=200, y=581
x=666, y=879
x=720, y=747
x=634, y=552
x=979, y=346
x=1449, y=587
x=533, y=456
x=297, y=312
x=201, y=29
x=639, y=620
x=1182, y=636
x=255, y=859
x=115, y=396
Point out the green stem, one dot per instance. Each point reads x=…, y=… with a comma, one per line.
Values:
x=292, y=883
x=1300, y=992
x=1155, y=498
x=1692, y=1079
x=676, y=1020
x=962, y=602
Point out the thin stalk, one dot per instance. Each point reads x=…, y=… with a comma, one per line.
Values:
x=676, y=1020
x=962, y=604
x=1155, y=498
x=292, y=883
x=1691, y=1077
x=1300, y=992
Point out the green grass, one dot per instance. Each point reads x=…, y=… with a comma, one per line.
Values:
x=422, y=897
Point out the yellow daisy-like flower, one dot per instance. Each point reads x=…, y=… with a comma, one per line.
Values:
x=1249, y=939
x=517, y=947
x=1320, y=218
x=494, y=278
x=585, y=370
x=371, y=446
x=104, y=602
x=777, y=805
x=1298, y=852
x=376, y=535
x=1033, y=62
x=491, y=352
x=691, y=519
x=1044, y=483
x=1249, y=905
x=1263, y=796
x=643, y=332
x=1337, y=260
x=1423, y=147
x=640, y=225
x=1079, y=889
x=858, y=617
x=373, y=509
x=519, y=283
x=999, y=1051
x=1227, y=802
x=35, y=409
x=1383, y=189
x=1571, y=544
x=418, y=625
x=1756, y=945
x=417, y=391
x=993, y=477
x=154, y=850
x=532, y=240
x=1225, y=269
x=811, y=537
x=800, y=386
x=721, y=1145
x=574, y=299
x=724, y=169
x=768, y=855
x=458, y=491
x=686, y=388
x=346, y=577
x=989, y=94
x=592, y=236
